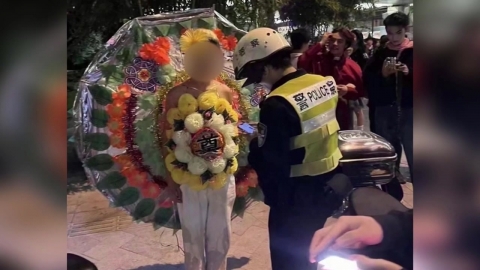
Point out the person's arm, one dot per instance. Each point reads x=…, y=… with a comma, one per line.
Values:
x=269, y=155
x=357, y=91
x=307, y=59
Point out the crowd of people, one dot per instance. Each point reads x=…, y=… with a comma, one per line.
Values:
x=304, y=111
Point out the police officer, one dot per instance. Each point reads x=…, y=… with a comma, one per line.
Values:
x=296, y=152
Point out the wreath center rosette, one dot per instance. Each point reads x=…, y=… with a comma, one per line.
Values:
x=204, y=142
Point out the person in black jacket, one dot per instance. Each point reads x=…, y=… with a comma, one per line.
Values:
x=390, y=88
x=392, y=232
x=297, y=192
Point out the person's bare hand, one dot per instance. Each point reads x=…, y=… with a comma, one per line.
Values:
x=348, y=232
x=388, y=69
x=325, y=38
x=403, y=68
x=365, y=263
x=342, y=89
x=351, y=86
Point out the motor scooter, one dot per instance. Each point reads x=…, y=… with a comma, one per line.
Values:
x=75, y=262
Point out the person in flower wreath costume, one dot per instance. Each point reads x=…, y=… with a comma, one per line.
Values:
x=200, y=125
x=296, y=152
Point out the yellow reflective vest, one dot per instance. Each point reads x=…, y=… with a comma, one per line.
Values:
x=314, y=98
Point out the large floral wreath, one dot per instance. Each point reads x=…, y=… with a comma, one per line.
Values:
x=204, y=142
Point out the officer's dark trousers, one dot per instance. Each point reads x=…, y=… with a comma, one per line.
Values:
x=291, y=227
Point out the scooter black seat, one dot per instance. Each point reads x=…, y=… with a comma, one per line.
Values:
x=75, y=262
x=371, y=201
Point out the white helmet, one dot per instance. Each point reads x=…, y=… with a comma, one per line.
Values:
x=257, y=45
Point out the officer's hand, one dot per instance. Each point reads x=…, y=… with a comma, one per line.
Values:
x=365, y=263
x=348, y=232
x=342, y=89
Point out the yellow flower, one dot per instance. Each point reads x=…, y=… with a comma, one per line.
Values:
x=232, y=169
x=168, y=162
x=173, y=114
x=187, y=104
x=195, y=183
x=207, y=100
x=233, y=114
x=178, y=176
x=222, y=105
x=169, y=133
x=219, y=181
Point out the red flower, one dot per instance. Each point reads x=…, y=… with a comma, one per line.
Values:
x=116, y=110
x=117, y=140
x=123, y=92
x=161, y=57
x=219, y=34
x=137, y=179
x=115, y=126
x=163, y=43
x=231, y=42
x=150, y=190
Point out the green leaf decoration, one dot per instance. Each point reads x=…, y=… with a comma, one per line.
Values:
x=256, y=193
x=145, y=124
x=239, y=206
x=178, y=125
x=99, y=118
x=101, y=162
x=148, y=102
x=206, y=176
x=163, y=216
x=144, y=208
x=186, y=24
x=101, y=94
x=207, y=23
x=162, y=30
x=174, y=30
x=127, y=196
x=125, y=55
x=97, y=141
x=112, y=180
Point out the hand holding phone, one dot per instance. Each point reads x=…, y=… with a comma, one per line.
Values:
x=336, y=261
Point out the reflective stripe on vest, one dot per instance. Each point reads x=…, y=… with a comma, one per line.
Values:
x=315, y=104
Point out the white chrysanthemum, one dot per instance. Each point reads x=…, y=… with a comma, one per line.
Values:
x=194, y=122
x=183, y=154
x=197, y=166
x=216, y=122
x=230, y=149
x=228, y=130
x=217, y=165
x=182, y=138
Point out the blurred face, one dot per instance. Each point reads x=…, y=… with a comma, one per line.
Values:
x=396, y=34
x=204, y=61
x=336, y=44
x=349, y=51
x=369, y=43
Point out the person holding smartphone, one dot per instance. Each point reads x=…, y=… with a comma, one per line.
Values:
x=389, y=85
x=296, y=152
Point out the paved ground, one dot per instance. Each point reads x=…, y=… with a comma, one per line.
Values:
x=109, y=238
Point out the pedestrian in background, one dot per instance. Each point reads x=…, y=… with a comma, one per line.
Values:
x=299, y=39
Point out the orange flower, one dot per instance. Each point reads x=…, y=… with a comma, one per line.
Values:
x=115, y=125
x=117, y=140
x=242, y=190
x=218, y=33
x=231, y=42
x=146, y=51
x=150, y=190
x=129, y=171
x=123, y=92
x=138, y=179
x=116, y=110
x=162, y=42
x=161, y=57
x=224, y=44
x=123, y=160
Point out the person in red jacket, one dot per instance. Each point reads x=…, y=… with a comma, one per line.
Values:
x=333, y=62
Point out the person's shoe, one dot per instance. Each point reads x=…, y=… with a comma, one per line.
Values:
x=400, y=177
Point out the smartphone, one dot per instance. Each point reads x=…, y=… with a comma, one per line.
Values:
x=247, y=128
x=336, y=261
